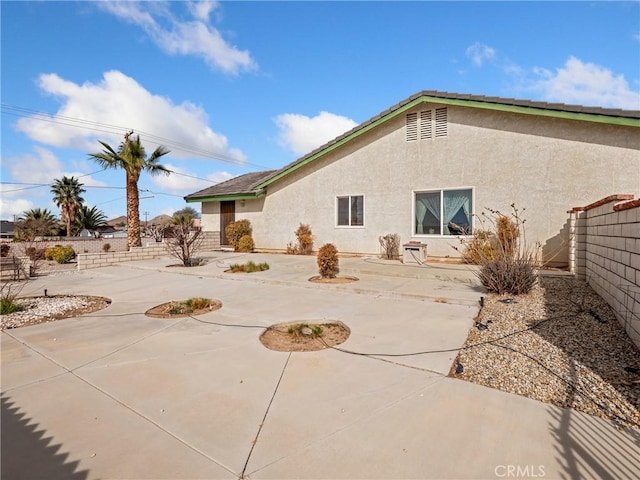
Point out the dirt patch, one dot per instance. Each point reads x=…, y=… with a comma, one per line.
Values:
x=173, y=310
x=304, y=336
x=341, y=279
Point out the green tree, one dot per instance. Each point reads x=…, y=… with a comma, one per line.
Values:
x=132, y=158
x=36, y=223
x=67, y=193
x=89, y=218
x=188, y=211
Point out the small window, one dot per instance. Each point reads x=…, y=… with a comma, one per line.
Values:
x=350, y=211
x=444, y=212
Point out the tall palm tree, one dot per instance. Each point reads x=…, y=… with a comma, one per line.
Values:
x=89, y=218
x=66, y=195
x=132, y=158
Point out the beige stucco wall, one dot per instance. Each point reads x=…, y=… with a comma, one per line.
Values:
x=541, y=164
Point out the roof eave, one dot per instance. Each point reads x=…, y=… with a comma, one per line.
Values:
x=225, y=197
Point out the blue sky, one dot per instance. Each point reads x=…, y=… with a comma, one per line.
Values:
x=235, y=87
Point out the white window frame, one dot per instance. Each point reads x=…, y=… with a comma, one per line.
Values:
x=337, y=211
x=441, y=191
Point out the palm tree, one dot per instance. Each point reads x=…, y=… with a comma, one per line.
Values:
x=89, y=218
x=132, y=158
x=66, y=195
x=36, y=223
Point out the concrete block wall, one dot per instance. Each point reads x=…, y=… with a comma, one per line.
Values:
x=97, y=260
x=79, y=245
x=605, y=251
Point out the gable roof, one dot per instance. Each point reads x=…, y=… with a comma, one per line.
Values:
x=261, y=180
x=237, y=188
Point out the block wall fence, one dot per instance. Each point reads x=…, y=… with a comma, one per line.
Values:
x=605, y=251
x=150, y=251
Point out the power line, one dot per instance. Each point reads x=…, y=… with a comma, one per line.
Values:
x=117, y=129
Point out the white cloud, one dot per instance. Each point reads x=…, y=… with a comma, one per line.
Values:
x=479, y=53
x=302, y=134
x=585, y=83
x=9, y=205
x=182, y=182
x=117, y=103
x=194, y=37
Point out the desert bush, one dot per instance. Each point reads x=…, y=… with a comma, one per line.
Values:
x=246, y=244
x=4, y=249
x=236, y=230
x=328, y=261
x=106, y=247
x=9, y=291
x=507, y=264
x=60, y=254
x=249, y=267
x=185, y=240
x=304, y=241
x=390, y=244
x=34, y=253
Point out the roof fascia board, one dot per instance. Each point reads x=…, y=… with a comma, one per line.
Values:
x=220, y=198
x=532, y=110
x=588, y=117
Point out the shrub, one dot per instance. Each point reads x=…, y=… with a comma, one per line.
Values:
x=60, y=254
x=34, y=253
x=304, y=241
x=4, y=249
x=48, y=253
x=507, y=264
x=390, y=246
x=248, y=267
x=106, y=247
x=8, y=305
x=328, y=261
x=236, y=230
x=245, y=244
x=9, y=291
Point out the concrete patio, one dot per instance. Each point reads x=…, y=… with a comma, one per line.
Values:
x=119, y=395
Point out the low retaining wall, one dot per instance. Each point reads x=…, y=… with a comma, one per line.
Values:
x=605, y=251
x=97, y=260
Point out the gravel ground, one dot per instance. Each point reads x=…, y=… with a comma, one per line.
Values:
x=560, y=344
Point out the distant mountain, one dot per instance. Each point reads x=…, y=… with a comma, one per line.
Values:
x=160, y=219
x=117, y=221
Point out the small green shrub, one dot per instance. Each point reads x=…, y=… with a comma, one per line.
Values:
x=236, y=230
x=8, y=305
x=248, y=267
x=328, y=261
x=188, y=306
x=304, y=329
x=246, y=244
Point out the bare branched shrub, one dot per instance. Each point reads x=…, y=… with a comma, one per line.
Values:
x=390, y=244
x=156, y=231
x=304, y=241
x=186, y=240
x=507, y=264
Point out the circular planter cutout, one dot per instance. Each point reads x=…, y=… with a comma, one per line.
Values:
x=338, y=280
x=304, y=336
x=178, y=309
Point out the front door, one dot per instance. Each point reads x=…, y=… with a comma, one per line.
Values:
x=227, y=215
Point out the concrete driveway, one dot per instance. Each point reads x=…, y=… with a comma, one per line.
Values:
x=118, y=395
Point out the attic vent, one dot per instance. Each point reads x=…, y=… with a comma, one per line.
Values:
x=441, y=122
x=426, y=125
x=412, y=127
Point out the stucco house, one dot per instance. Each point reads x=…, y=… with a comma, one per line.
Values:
x=428, y=166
